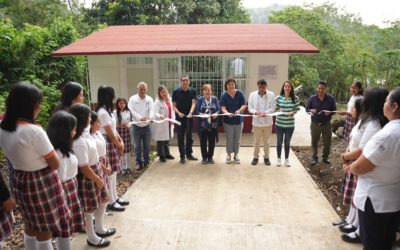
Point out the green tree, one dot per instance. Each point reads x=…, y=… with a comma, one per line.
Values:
x=328, y=64
x=124, y=12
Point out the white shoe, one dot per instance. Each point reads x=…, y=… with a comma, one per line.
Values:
x=279, y=162
x=228, y=159
x=287, y=163
x=236, y=159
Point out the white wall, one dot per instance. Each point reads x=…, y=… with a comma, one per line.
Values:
x=274, y=85
x=105, y=70
x=112, y=70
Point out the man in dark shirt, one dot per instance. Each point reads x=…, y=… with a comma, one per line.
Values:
x=184, y=100
x=320, y=106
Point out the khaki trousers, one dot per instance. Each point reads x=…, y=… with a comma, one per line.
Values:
x=261, y=133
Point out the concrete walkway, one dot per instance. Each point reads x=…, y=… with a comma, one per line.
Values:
x=195, y=206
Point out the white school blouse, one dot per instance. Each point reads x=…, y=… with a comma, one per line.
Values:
x=68, y=168
x=125, y=116
x=85, y=149
x=107, y=120
x=360, y=136
x=100, y=144
x=27, y=148
x=382, y=184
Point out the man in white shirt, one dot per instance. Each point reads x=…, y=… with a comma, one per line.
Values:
x=141, y=106
x=261, y=102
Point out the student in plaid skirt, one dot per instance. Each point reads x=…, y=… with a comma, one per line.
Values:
x=7, y=203
x=101, y=146
x=356, y=90
x=124, y=116
x=370, y=122
x=115, y=145
x=92, y=191
x=61, y=129
x=37, y=187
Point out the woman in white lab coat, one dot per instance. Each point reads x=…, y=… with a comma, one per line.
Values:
x=164, y=131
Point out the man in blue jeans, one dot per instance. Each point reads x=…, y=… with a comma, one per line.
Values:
x=141, y=106
x=184, y=100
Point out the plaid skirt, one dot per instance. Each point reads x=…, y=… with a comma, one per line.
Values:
x=125, y=135
x=91, y=197
x=113, y=156
x=77, y=222
x=5, y=223
x=349, y=187
x=103, y=161
x=42, y=200
x=348, y=126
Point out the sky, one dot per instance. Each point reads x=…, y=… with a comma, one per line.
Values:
x=371, y=11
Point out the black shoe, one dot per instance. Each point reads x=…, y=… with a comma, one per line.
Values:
x=339, y=222
x=345, y=229
x=313, y=162
x=350, y=239
x=112, y=207
x=145, y=165
x=267, y=162
x=211, y=161
x=254, y=161
x=326, y=161
x=122, y=202
x=103, y=243
x=163, y=159
x=182, y=161
x=169, y=157
x=204, y=161
x=191, y=158
x=110, y=231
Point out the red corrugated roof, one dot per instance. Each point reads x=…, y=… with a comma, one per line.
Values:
x=190, y=38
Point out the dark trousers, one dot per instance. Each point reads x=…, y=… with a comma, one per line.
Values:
x=185, y=129
x=316, y=132
x=377, y=230
x=280, y=133
x=163, y=149
x=207, y=138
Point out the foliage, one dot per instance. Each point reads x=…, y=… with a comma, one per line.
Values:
x=125, y=12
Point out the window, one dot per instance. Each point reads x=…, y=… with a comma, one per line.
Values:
x=140, y=60
x=203, y=69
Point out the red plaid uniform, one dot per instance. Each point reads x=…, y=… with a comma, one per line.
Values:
x=91, y=197
x=77, y=222
x=348, y=126
x=103, y=161
x=125, y=135
x=349, y=187
x=113, y=156
x=42, y=201
x=5, y=224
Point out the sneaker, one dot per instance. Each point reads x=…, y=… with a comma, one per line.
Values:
x=228, y=159
x=182, y=161
x=254, y=161
x=313, y=162
x=267, y=161
x=287, y=163
x=236, y=159
x=211, y=161
x=163, y=159
x=326, y=161
x=204, y=161
x=279, y=162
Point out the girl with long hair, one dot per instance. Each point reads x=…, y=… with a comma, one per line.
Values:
x=124, y=116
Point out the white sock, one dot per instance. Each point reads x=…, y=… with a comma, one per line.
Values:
x=352, y=235
x=356, y=222
x=99, y=217
x=112, y=184
x=352, y=215
x=115, y=193
x=30, y=242
x=63, y=243
x=89, y=228
x=45, y=245
x=1, y=246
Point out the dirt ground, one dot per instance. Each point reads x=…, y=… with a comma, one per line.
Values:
x=328, y=177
